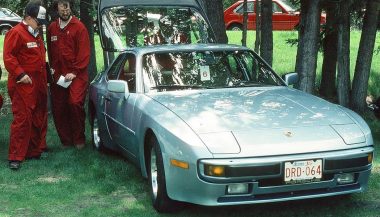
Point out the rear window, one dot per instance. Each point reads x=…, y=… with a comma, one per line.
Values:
x=124, y=27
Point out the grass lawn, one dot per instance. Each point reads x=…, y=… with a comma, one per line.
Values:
x=69, y=182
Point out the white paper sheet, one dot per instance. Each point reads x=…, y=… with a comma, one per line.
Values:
x=61, y=81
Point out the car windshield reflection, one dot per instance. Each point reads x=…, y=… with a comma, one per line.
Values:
x=206, y=70
x=141, y=26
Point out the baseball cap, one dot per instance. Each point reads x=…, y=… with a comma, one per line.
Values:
x=36, y=11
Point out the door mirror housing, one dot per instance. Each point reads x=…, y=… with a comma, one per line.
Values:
x=290, y=78
x=118, y=86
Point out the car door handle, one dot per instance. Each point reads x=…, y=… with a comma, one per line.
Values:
x=108, y=99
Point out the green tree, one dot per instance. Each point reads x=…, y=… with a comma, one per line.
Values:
x=215, y=14
x=266, y=48
x=86, y=11
x=329, y=43
x=306, y=61
x=364, y=59
x=343, y=53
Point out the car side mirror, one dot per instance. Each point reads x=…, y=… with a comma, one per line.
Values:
x=117, y=86
x=290, y=78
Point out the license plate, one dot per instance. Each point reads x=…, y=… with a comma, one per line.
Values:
x=303, y=171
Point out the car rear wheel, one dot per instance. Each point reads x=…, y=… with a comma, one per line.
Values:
x=156, y=175
x=235, y=27
x=4, y=30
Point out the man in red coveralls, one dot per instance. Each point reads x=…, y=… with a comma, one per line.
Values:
x=69, y=56
x=24, y=58
x=1, y=101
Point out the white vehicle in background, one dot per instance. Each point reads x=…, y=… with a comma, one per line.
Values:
x=8, y=19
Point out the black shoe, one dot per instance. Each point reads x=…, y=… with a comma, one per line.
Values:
x=37, y=157
x=14, y=164
x=45, y=150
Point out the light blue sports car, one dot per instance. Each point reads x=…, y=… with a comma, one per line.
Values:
x=212, y=124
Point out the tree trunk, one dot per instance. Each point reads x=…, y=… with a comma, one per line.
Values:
x=327, y=87
x=306, y=62
x=86, y=7
x=258, y=26
x=343, y=81
x=245, y=23
x=364, y=59
x=214, y=10
x=266, y=48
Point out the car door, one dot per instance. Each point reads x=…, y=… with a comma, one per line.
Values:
x=280, y=18
x=120, y=107
x=284, y=17
x=238, y=15
x=109, y=99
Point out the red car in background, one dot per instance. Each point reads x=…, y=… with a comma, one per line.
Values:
x=284, y=17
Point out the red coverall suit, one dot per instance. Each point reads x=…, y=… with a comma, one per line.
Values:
x=24, y=53
x=69, y=52
x=1, y=101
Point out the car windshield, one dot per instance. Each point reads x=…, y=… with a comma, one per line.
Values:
x=7, y=13
x=140, y=26
x=206, y=69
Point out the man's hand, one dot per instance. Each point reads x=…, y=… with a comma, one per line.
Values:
x=70, y=77
x=25, y=80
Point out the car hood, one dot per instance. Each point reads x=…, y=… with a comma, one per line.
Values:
x=242, y=109
x=248, y=116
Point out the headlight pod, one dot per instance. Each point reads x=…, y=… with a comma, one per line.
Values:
x=221, y=142
x=361, y=123
x=350, y=133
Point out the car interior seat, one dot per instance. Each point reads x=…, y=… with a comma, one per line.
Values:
x=128, y=74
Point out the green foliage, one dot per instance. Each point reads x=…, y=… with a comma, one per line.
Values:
x=15, y=6
x=228, y=3
x=285, y=52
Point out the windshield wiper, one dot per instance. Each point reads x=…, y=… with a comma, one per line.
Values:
x=179, y=86
x=245, y=84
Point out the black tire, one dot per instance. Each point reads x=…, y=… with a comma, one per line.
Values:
x=157, y=182
x=96, y=140
x=4, y=30
x=235, y=27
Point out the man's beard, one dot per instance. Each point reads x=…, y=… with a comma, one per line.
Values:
x=66, y=18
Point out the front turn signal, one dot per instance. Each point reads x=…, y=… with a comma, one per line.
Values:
x=180, y=164
x=370, y=158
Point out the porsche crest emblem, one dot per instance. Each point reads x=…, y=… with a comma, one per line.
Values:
x=288, y=134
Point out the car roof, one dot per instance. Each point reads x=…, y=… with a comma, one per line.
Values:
x=112, y=3
x=185, y=48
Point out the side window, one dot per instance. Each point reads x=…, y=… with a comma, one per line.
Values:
x=240, y=9
x=258, y=71
x=276, y=8
x=115, y=68
x=237, y=73
x=250, y=65
x=128, y=72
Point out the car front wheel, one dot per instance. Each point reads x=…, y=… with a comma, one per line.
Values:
x=156, y=174
x=97, y=142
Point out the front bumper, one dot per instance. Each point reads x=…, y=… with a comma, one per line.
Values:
x=195, y=187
